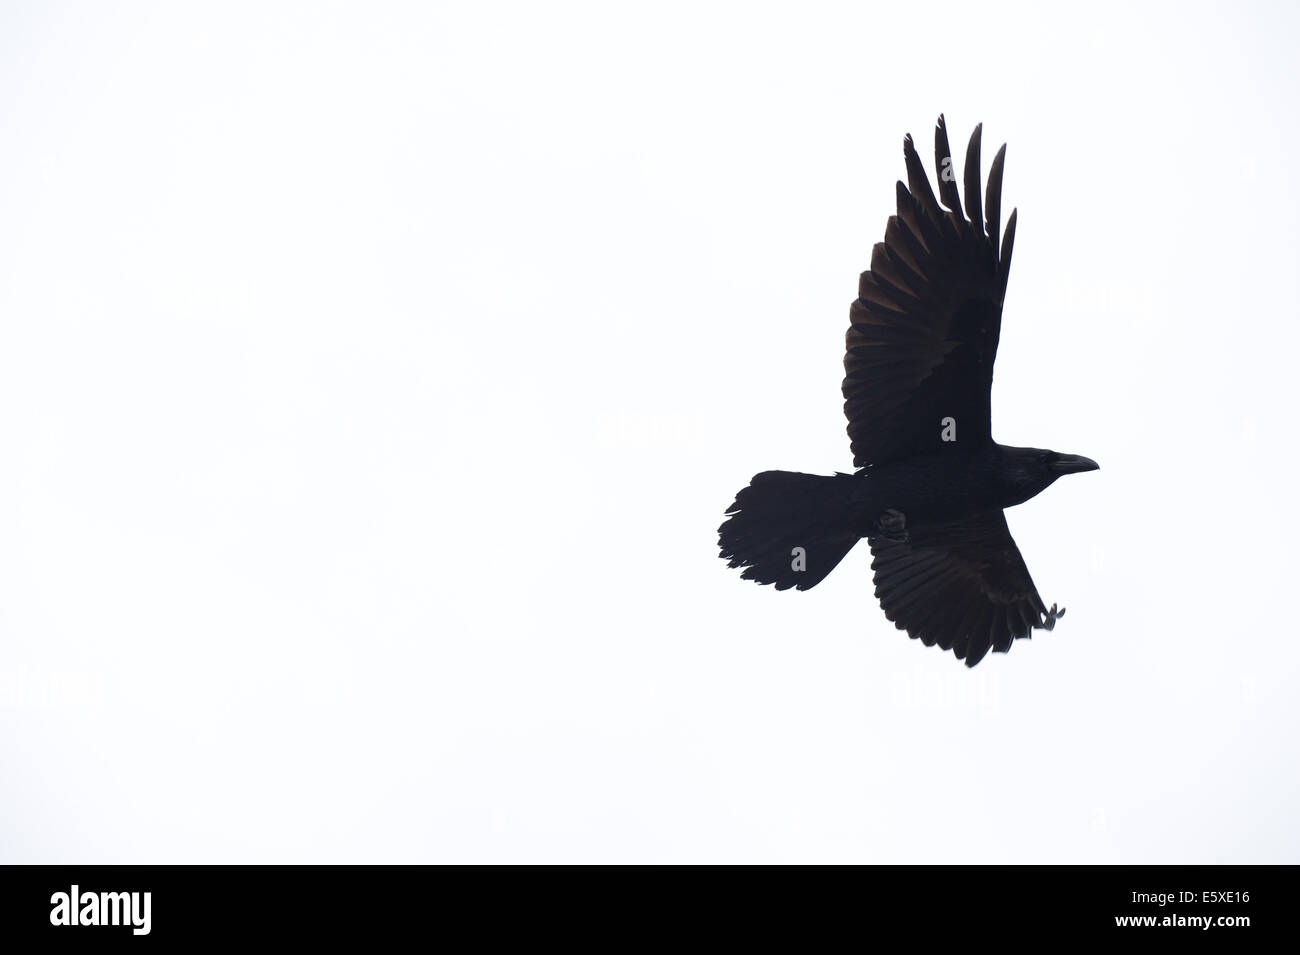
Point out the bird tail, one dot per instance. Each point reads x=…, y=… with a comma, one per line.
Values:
x=789, y=529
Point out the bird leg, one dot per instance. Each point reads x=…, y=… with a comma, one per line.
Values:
x=1050, y=619
x=892, y=526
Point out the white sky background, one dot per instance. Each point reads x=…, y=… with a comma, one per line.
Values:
x=373, y=381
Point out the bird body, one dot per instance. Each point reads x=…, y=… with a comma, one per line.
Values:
x=942, y=486
x=932, y=483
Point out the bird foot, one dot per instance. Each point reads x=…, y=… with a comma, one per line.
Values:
x=1049, y=621
x=892, y=526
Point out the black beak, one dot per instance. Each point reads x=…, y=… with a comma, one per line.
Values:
x=1073, y=464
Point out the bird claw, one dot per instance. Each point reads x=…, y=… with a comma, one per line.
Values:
x=892, y=526
x=1050, y=618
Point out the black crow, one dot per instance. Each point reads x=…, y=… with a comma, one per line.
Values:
x=931, y=482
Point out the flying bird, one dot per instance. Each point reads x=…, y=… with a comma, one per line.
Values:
x=931, y=484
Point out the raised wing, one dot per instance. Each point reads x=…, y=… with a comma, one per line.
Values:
x=963, y=586
x=924, y=329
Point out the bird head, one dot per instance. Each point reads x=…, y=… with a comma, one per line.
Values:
x=1033, y=469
